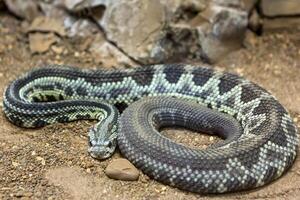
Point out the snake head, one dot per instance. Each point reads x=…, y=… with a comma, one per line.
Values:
x=103, y=139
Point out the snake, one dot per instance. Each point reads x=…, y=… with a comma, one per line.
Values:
x=132, y=105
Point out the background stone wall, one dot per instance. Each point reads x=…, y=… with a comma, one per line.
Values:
x=153, y=31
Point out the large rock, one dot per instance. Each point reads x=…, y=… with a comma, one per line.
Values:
x=272, y=8
x=82, y=28
x=150, y=31
x=282, y=23
x=136, y=27
x=46, y=24
x=77, y=5
x=183, y=9
x=25, y=9
x=248, y=5
x=224, y=30
x=74, y=26
x=107, y=54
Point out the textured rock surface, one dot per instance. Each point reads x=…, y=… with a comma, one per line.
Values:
x=153, y=31
x=248, y=5
x=278, y=24
x=45, y=24
x=273, y=8
x=41, y=42
x=122, y=169
x=108, y=55
x=25, y=9
x=183, y=9
x=224, y=30
x=136, y=27
x=82, y=28
x=255, y=22
x=76, y=5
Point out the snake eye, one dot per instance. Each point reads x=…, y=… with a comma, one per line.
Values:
x=89, y=142
x=109, y=145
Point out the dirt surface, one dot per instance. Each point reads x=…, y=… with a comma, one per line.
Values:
x=52, y=162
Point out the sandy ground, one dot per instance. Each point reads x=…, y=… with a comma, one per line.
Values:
x=52, y=162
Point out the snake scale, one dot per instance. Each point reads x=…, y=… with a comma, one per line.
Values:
x=260, y=138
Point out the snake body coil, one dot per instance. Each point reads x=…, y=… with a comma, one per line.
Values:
x=260, y=138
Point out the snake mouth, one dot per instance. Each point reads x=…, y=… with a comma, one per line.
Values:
x=99, y=152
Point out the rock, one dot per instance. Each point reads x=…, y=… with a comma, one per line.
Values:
x=279, y=24
x=82, y=28
x=61, y=15
x=255, y=22
x=85, y=8
x=183, y=10
x=122, y=169
x=182, y=42
x=74, y=26
x=41, y=42
x=272, y=8
x=229, y=23
x=24, y=9
x=57, y=49
x=51, y=10
x=214, y=50
x=176, y=5
x=250, y=40
x=2, y=5
x=45, y=24
x=136, y=27
x=86, y=42
x=21, y=194
x=223, y=32
x=107, y=54
x=77, y=5
x=248, y=5
x=41, y=159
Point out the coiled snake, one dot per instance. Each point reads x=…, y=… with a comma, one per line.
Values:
x=260, y=137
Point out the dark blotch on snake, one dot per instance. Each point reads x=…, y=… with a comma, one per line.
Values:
x=248, y=95
x=69, y=91
x=143, y=76
x=202, y=75
x=81, y=91
x=227, y=82
x=173, y=73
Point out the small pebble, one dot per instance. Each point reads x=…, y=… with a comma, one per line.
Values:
x=76, y=54
x=122, y=169
x=15, y=164
x=38, y=158
x=57, y=49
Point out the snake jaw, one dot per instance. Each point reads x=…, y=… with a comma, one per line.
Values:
x=101, y=152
